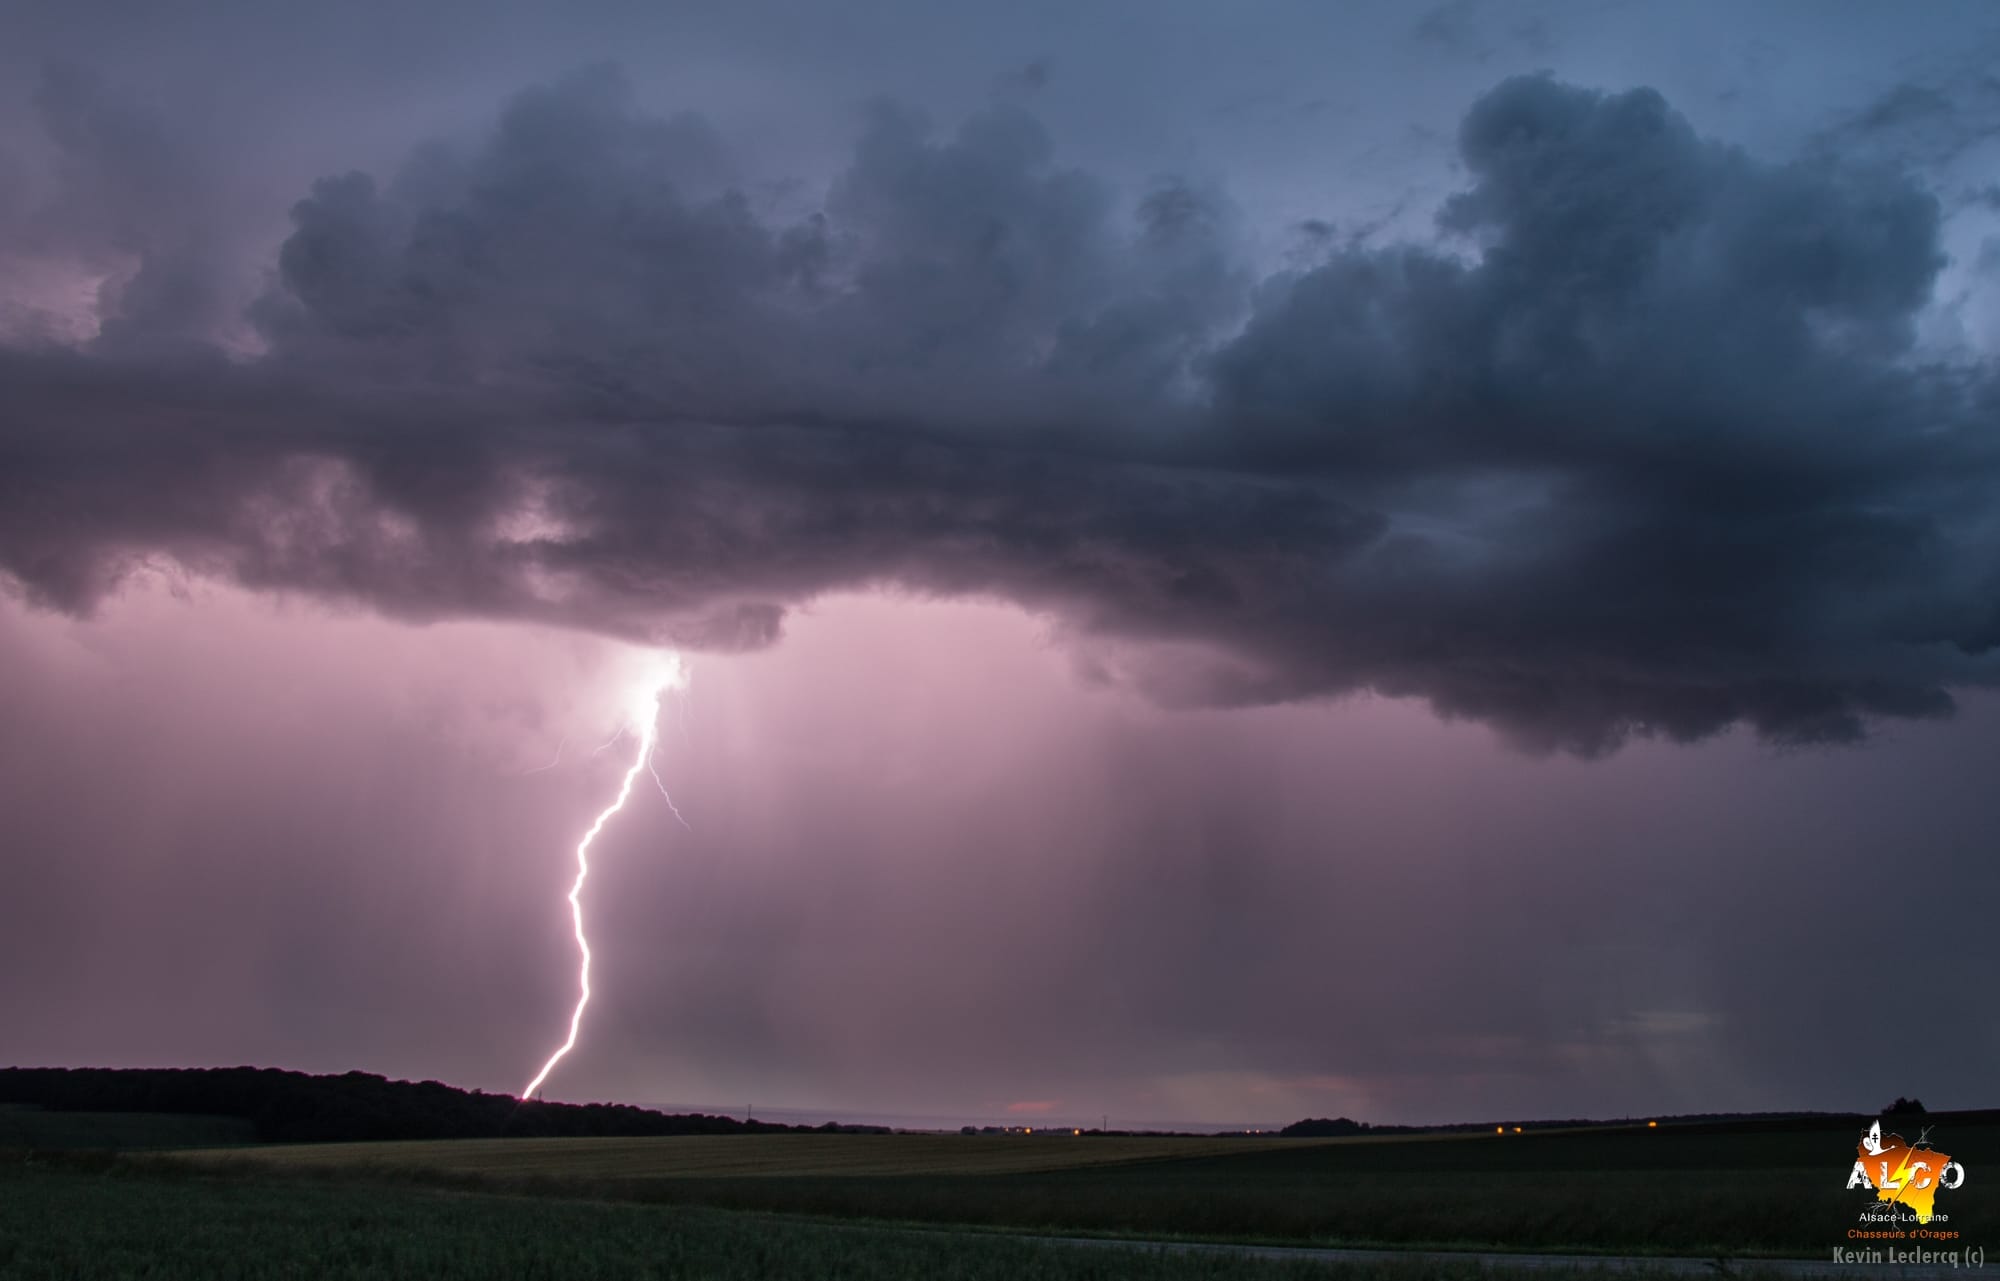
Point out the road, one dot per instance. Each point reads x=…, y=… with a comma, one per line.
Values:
x=1653, y=1265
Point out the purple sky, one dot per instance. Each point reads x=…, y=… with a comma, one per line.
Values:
x=1231, y=570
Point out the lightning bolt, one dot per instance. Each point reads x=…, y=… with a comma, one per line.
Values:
x=663, y=790
x=643, y=714
x=543, y=769
x=1903, y=1166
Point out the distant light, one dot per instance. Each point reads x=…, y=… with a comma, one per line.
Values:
x=1077, y=1131
x=1031, y=1129
x=1652, y=1125
x=1499, y=1129
x=1517, y=1129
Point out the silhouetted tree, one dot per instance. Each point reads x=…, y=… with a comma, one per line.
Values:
x=1322, y=1128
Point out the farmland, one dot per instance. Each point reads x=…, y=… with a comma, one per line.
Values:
x=32, y=1127
x=118, y=1219
x=748, y=1204
x=749, y=1156
x=1712, y=1189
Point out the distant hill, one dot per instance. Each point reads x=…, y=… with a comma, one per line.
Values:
x=278, y=1106
x=1776, y=1122
x=295, y=1107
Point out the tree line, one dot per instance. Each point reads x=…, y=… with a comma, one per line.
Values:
x=296, y=1107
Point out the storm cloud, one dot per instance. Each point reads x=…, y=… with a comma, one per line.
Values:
x=1640, y=441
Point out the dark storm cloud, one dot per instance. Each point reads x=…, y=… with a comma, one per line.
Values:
x=1642, y=444
x=122, y=192
x=1939, y=120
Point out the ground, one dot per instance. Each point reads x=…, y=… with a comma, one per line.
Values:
x=940, y=1205
x=1774, y=1189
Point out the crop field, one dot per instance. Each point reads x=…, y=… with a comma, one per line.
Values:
x=1736, y=1190
x=116, y=1219
x=22, y=1126
x=754, y=1155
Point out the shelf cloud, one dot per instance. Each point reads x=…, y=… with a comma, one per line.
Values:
x=1638, y=441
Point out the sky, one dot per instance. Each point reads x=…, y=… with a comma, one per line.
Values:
x=1235, y=562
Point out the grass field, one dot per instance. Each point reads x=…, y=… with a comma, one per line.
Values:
x=1735, y=1190
x=115, y=1219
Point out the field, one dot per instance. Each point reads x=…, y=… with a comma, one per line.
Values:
x=753, y=1156
x=1721, y=1189
x=116, y=1219
x=22, y=1126
x=829, y=1205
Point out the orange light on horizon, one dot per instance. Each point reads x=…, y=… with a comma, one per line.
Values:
x=1517, y=1129
x=1652, y=1125
x=1499, y=1129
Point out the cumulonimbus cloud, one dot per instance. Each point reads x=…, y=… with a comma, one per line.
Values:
x=1642, y=443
